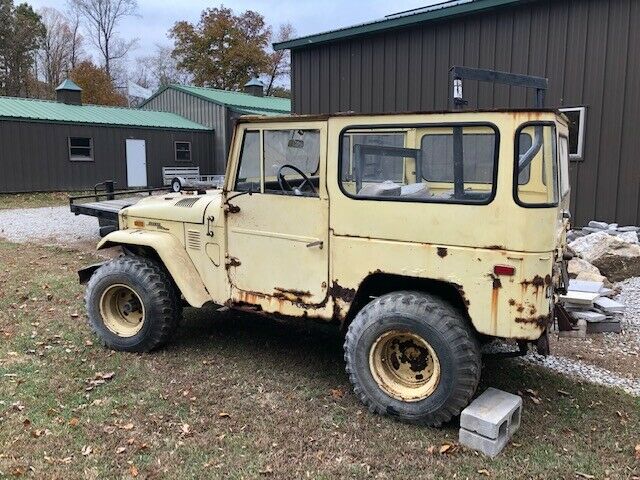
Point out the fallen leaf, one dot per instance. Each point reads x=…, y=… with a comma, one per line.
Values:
x=337, y=393
x=562, y=392
x=121, y=449
x=445, y=448
x=128, y=426
x=431, y=450
x=108, y=376
x=133, y=471
x=224, y=415
x=536, y=400
x=74, y=422
x=585, y=475
x=485, y=472
x=266, y=471
x=638, y=452
x=86, y=450
x=185, y=429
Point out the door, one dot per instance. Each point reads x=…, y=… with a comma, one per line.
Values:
x=277, y=235
x=136, y=163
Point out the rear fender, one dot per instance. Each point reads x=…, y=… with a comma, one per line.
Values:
x=173, y=256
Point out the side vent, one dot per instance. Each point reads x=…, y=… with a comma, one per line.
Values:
x=187, y=202
x=194, y=241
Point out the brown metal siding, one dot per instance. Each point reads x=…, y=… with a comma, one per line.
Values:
x=589, y=50
x=35, y=156
x=201, y=111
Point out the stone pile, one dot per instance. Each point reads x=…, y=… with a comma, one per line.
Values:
x=590, y=305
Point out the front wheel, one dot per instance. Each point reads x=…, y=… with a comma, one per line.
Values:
x=412, y=356
x=132, y=304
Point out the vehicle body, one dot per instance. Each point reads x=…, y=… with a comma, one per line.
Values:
x=463, y=210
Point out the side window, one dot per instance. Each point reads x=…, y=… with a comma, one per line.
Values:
x=80, y=149
x=249, y=169
x=563, y=158
x=577, y=121
x=541, y=158
x=420, y=164
x=183, y=151
x=291, y=162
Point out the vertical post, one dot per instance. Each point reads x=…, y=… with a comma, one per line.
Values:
x=358, y=164
x=540, y=98
x=109, y=189
x=458, y=165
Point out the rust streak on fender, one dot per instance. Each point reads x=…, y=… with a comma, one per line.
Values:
x=338, y=291
x=541, y=321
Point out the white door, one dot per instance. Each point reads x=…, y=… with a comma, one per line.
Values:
x=136, y=163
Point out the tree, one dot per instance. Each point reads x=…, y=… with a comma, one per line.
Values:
x=59, y=45
x=223, y=50
x=97, y=86
x=280, y=60
x=159, y=70
x=77, y=40
x=102, y=18
x=21, y=33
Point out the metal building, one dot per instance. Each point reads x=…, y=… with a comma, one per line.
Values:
x=217, y=109
x=589, y=50
x=64, y=145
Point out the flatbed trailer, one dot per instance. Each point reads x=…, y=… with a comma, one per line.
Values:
x=105, y=206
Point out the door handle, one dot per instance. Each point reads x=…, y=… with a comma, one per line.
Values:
x=319, y=244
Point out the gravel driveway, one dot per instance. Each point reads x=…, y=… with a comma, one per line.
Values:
x=49, y=225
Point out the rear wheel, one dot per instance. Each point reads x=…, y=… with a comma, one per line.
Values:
x=412, y=356
x=176, y=185
x=132, y=304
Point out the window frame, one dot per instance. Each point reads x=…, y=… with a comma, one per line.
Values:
x=579, y=156
x=175, y=151
x=239, y=162
x=73, y=158
x=516, y=160
x=372, y=127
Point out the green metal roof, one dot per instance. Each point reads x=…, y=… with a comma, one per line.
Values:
x=239, y=101
x=27, y=109
x=69, y=85
x=438, y=11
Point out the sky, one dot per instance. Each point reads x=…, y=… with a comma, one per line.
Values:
x=308, y=17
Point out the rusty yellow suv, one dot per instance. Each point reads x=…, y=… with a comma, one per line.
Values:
x=420, y=234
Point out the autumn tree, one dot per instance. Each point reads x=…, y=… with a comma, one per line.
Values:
x=223, y=50
x=101, y=20
x=279, y=60
x=21, y=33
x=59, y=49
x=97, y=86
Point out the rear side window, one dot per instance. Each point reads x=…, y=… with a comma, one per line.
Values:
x=536, y=151
x=425, y=163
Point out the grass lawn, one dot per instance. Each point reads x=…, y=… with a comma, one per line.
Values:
x=235, y=396
x=35, y=200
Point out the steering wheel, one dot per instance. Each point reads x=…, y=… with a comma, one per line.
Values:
x=285, y=186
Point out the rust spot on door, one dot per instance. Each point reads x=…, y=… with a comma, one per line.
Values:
x=343, y=293
x=442, y=252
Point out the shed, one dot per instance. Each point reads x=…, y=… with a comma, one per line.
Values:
x=217, y=109
x=64, y=145
x=588, y=49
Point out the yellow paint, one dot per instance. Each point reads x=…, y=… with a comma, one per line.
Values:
x=308, y=255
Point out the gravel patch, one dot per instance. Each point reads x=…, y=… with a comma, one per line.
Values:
x=49, y=225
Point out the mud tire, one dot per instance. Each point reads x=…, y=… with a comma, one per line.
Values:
x=443, y=327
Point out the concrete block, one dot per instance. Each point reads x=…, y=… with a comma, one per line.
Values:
x=609, y=306
x=592, y=230
x=607, y=292
x=598, y=225
x=493, y=414
x=589, y=316
x=579, y=332
x=628, y=229
x=605, y=326
x=488, y=446
x=585, y=286
x=579, y=298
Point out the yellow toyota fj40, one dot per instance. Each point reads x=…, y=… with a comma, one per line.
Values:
x=420, y=234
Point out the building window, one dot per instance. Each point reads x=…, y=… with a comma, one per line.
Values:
x=183, y=151
x=577, y=118
x=80, y=149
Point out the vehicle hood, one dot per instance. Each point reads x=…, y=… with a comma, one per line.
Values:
x=175, y=207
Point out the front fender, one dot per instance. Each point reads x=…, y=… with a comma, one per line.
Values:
x=172, y=254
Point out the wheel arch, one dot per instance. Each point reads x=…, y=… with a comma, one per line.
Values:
x=170, y=253
x=380, y=283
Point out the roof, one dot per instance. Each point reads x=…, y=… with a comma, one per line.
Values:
x=238, y=101
x=439, y=11
x=69, y=85
x=254, y=82
x=28, y=109
x=326, y=116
